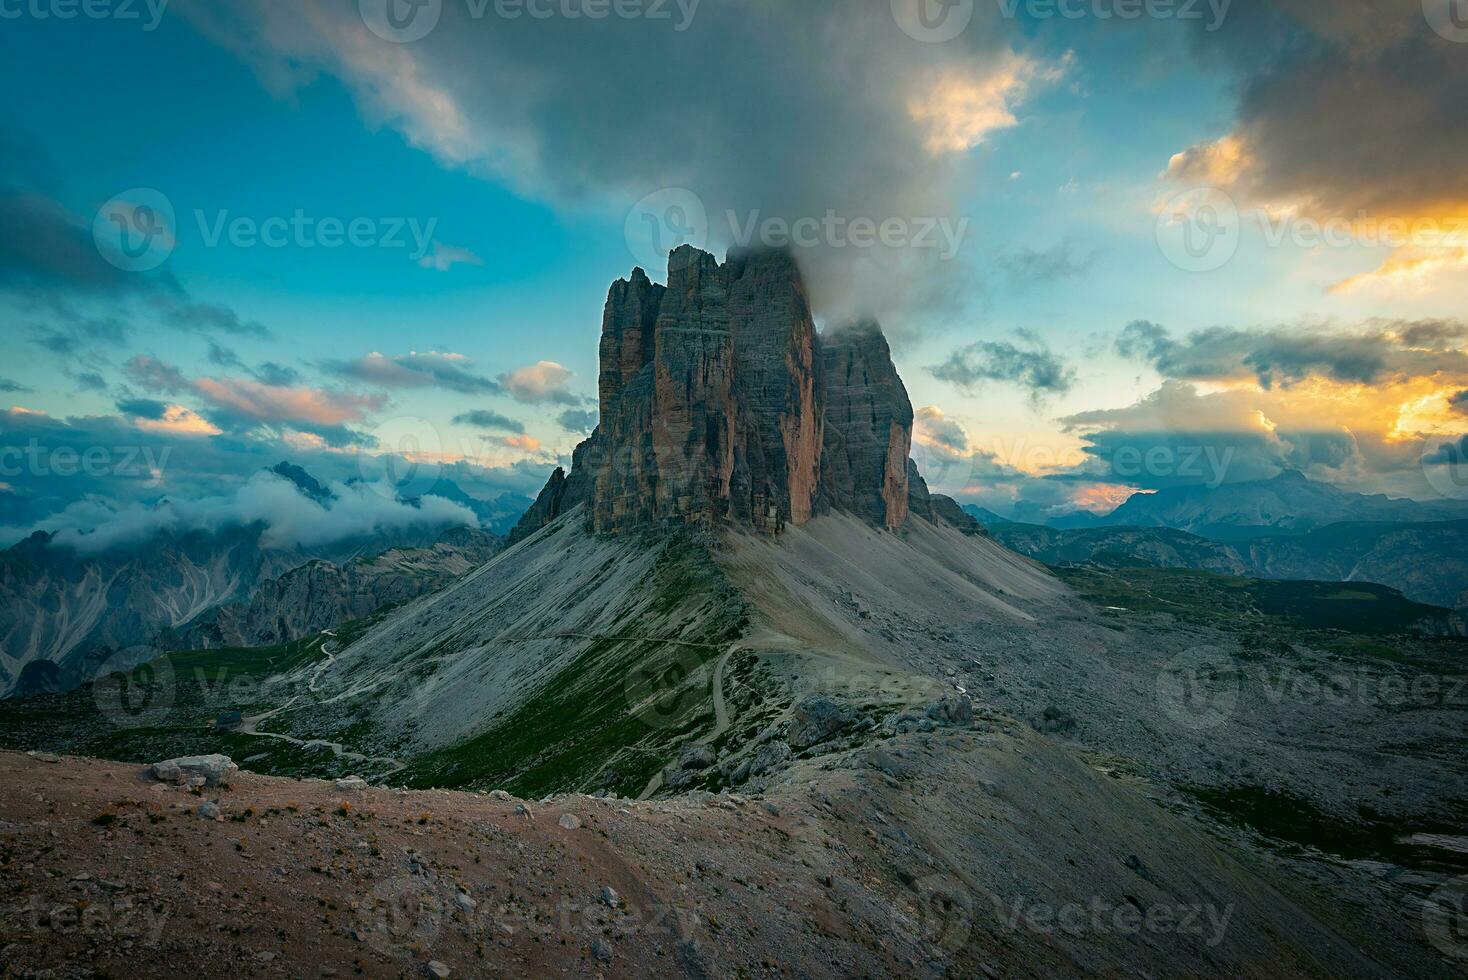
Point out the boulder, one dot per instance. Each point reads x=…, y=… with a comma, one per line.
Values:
x=696, y=756
x=212, y=769
x=816, y=719
x=771, y=756
x=955, y=709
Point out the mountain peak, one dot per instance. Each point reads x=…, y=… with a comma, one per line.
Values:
x=719, y=401
x=304, y=482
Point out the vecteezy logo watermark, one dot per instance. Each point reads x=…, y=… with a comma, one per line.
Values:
x=116, y=918
x=97, y=462
x=1199, y=688
x=1100, y=916
x=409, y=458
x=406, y=21
x=1214, y=11
x=932, y=21
x=148, y=12
x=1445, y=465
x=301, y=230
x=1445, y=918
x=1448, y=17
x=1207, y=465
x=664, y=689
x=133, y=695
x=662, y=221
x=1364, y=230
x=402, y=916
x=401, y=21
x=941, y=913
x=135, y=230
x=675, y=216
x=1198, y=229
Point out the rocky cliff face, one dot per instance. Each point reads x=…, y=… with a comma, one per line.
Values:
x=322, y=594
x=869, y=426
x=720, y=402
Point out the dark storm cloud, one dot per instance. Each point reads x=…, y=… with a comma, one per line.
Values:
x=272, y=373
x=1177, y=436
x=1282, y=356
x=70, y=334
x=205, y=318
x=1067, y=259
x=142, y=408
x=1037, y=370
x=792, y=109
x=154, y=375
x=1459, y=402
x=416, y=370
x=1434, y=334
x=267, y=372
x=9, y=387
x=1351, y=106
x=483, y=418
x=577, y=420
x=44, y=248
x=51, y=264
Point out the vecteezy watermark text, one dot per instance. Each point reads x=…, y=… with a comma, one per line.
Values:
x=1213, y=11
x=674, y=216
x=34, y=459
x=301, y=230
x=148, y=12
x=406, y=21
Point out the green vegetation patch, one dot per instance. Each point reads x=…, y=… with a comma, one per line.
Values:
x=1294, y=823
x=1226, y=600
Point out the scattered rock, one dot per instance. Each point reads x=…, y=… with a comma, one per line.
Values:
x=211, y=769
x=351, y=784
x=1057, y=721
x=523, y=810
x=44, y=756
x=696, y=756
x=601, y=949
x=210, y=811
x=433, y=968
x=465, y=903
x=817, y=718
x=569, y=821
x=955, y=709
x=610, y=898
x=771, y=756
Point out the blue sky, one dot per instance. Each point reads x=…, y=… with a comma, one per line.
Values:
x=522, y=146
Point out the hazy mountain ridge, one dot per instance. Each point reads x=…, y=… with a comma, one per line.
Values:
x=1290, y=503
x=63, y=611
x=1427, y=562
x=321, y=594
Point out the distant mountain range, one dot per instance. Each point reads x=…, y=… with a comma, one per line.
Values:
x=1290, y=503
x=63, y=613
x=1289, y=527
x=1427, y=562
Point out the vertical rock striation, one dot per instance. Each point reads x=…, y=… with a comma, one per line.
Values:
x=868, y=426
x=719, y=401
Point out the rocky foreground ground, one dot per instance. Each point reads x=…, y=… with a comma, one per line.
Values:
x=990, y=852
